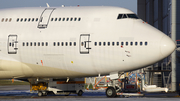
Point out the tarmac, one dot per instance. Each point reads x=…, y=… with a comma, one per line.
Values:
x=22, y=93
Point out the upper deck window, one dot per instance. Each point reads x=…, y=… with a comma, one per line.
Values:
x=10, y=19
x=16, y=20
x=55, y=19
x=25, y=19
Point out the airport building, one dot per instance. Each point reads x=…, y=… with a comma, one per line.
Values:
x=165, y=16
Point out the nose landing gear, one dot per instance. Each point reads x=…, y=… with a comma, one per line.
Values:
x=110, y=92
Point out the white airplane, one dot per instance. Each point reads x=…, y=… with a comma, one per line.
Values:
x=69, y=42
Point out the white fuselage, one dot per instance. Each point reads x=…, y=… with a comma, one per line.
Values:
x=34, y=48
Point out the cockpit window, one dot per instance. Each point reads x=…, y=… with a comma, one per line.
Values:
x=119, y=16
x=132, y=16
x=122, y=16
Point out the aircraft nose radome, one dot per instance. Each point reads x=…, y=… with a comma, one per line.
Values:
x=167, y=46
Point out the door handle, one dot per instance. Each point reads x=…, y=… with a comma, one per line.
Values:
x=85, y=44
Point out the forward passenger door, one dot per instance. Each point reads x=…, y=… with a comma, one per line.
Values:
x=12, y=44
x=84, y=44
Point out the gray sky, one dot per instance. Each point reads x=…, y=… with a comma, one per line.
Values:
x=129, y=4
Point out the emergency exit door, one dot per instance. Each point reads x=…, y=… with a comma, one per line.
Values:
x=45, y=17
x=84, y=43
x=12, y=44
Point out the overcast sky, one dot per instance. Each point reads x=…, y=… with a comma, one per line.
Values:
x=129, y=4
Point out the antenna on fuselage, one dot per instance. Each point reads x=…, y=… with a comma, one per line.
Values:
x=47, y=5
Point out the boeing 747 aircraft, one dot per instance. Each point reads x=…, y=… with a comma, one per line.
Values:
x=69, y=42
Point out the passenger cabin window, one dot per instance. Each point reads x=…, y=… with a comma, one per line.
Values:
x=2, y=20
x=70, y=43
x=75, y=19
x=71, y=19
x=126, y=43
x=141, y=43
x=104, y=43
x=67, y=19
x=46, y=43
x=131, y=43
x=34, y=43
x=63, y=19
x=6, y=19
x=30, y=43
x=59, y=19
x=58, y=44
x=32, y=19
x=99, y=43
x=66, y=43
x=10, y=19
x=95, y=43
x=62, y=44
x=122, y=43
x=108, y=43
x=16, y=20
x=74, y=43
x=117, y=43
x=55, y=19
x=112, y=43
x=146, y=43
x=136, y=43
x=82, y=44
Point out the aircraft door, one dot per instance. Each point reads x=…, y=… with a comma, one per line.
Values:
x=84, y=43
x=45, y=16
x=12, y=44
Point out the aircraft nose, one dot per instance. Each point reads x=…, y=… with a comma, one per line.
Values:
x=167, y=46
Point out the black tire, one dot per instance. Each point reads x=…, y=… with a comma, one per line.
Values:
x=40, y=93
x=67, y=94
x=50, y=93
x=117, y=96
x=44, y=93
x=80, y=93
x=110, y=92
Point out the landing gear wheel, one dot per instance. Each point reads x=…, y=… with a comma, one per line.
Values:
x=80, y=93
x=44, y=93
x=110, y=92
x=40, y=93
x=67, y=94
